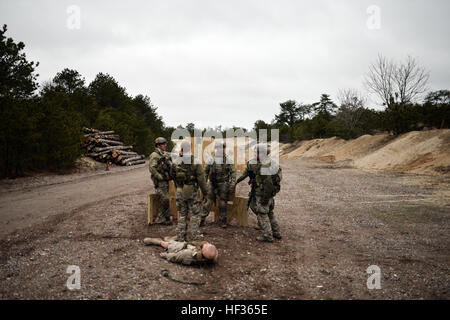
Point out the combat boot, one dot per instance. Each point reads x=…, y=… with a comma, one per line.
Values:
x=264, y=239
x=277, y=236
x=222, y=223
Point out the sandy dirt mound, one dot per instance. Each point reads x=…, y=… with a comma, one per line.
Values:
x=417, y=151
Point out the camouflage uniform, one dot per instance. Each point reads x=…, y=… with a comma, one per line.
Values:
x=261, y=197
x=188, y=178
x=185, y=252
x=222, y=178
x=159, y=168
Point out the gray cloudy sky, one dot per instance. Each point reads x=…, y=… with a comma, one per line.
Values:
x=229, y=62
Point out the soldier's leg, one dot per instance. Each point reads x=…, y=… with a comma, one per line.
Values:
x=262, y=213
x=195, y=208
x=273, y=221
x=206, y=209
x=252, y=206
x=264, y=222
x=223, y=199
x=182, y=218
x=164, y=204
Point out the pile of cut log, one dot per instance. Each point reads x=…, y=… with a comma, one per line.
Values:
x=105, y=146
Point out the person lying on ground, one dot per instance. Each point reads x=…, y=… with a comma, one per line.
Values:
x=185, y=252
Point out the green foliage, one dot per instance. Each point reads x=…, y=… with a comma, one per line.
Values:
x=349, y=122
x=17, y=78
x=325, y=106
x=61, y=137
x=45, y=131
x=18, y=123
x=68, y=80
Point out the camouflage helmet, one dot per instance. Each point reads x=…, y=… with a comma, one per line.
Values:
x=160, y=140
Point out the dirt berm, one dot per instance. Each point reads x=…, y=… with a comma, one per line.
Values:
x=423, y=152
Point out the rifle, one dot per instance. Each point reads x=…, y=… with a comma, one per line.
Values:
x=164, y=165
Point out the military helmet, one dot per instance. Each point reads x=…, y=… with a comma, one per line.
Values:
x=160, y=140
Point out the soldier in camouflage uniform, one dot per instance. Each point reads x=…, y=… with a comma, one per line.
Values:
x=222, y=177
x=187, y=253
x=263, y=190
x=159, y=167
x=188, y=178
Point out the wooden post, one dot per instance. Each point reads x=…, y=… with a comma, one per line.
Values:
x=153, y=205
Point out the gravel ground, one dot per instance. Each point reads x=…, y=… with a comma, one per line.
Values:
x=336, y=222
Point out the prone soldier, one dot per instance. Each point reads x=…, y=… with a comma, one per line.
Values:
x=186, y=253
x=159, y=167
x=264, y=187
x=222, y=178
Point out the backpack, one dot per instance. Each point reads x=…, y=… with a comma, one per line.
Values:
x=276, y=181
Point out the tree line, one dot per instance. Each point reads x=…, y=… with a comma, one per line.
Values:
x=399, y=88
x=41, y=127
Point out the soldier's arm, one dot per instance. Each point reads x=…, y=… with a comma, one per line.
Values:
x=243, y=176
x=207, y=170
x=152, y=167
x=201, y=179
x=184, y=256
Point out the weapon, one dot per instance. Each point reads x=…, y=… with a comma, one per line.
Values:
x=164, y=165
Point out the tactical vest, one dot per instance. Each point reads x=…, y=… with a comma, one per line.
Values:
x=220, y=172
x=263, y=185
x=185, y=174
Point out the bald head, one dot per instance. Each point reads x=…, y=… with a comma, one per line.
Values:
x=209, y=251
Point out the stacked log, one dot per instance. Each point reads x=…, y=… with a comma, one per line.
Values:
x=105, y=146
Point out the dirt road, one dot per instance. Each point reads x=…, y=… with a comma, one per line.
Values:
x=336, y=222
x=27, y=205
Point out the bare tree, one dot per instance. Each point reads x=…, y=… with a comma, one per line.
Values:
x=397, y=83
x=411, y=80
x=351, y=108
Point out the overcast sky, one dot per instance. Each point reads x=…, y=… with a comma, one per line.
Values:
x=230, y=62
